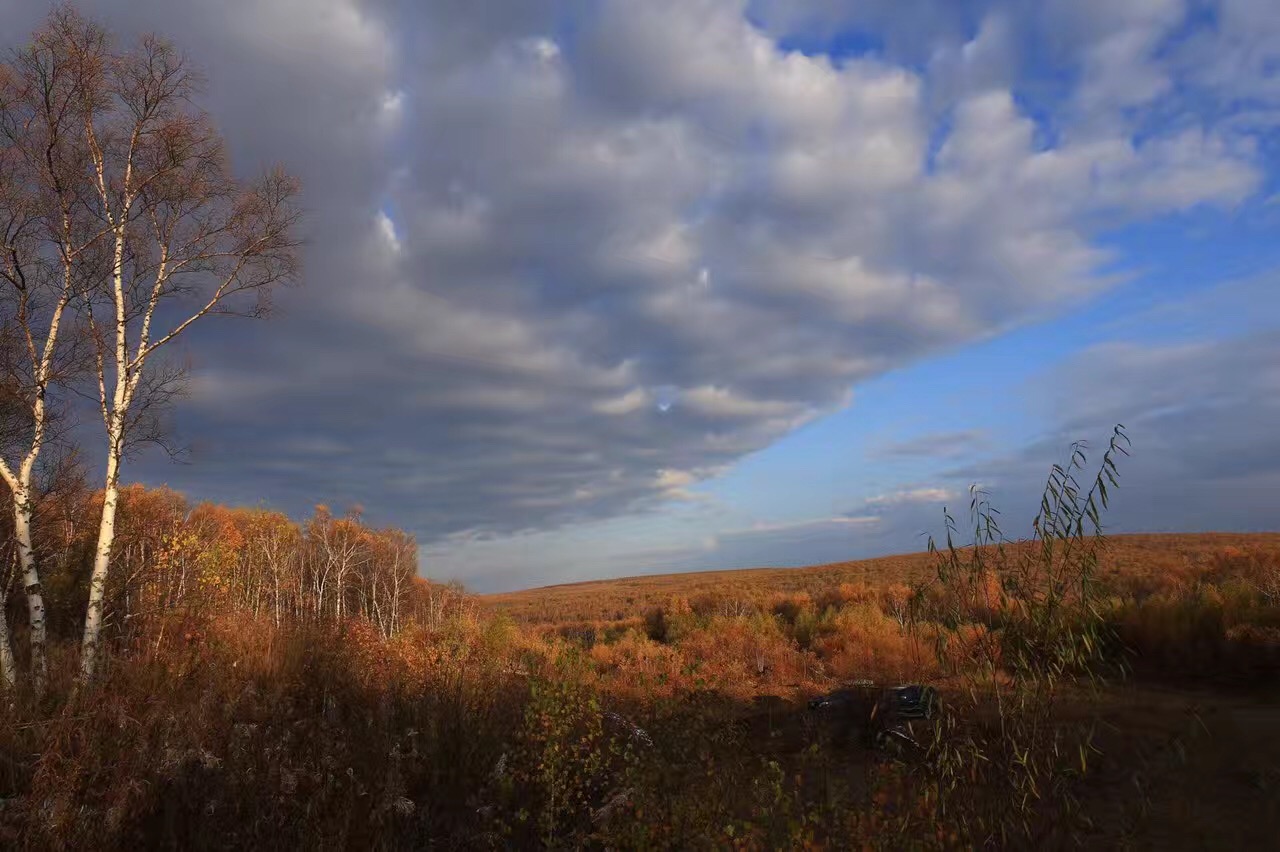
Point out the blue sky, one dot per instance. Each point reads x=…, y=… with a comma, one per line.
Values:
x=602, y=287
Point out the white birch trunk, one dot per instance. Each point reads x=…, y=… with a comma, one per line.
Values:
x=276, y=581
x=101, y=559
x=19, y=483
x=31, y=585
x=113, y=416
x=115, y=422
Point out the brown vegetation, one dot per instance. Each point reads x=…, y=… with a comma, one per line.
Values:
x=1138, y=565
x=1189, y=605
x=274, y=682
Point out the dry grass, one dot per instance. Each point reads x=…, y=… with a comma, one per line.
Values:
x=492, y=725
x=617, y=600
x=1136, y=563
x=1185, y=607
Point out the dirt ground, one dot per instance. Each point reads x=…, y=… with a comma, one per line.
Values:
x=1180, y=769
x=1185, y=769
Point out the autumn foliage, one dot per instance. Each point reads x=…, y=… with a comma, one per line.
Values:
x=275, y=682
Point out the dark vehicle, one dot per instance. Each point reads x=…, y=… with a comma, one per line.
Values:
x=897, y=717
x=889, y=720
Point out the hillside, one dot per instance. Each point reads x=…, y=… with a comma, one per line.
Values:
x=1154, y=560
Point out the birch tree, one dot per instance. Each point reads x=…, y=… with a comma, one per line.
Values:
x=184, y=239
x=8, y=666
x=44, y=241
x=276, y=545
x=386, y=578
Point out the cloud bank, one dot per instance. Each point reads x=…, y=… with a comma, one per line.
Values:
x=566, y=260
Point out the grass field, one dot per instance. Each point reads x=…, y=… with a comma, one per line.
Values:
x=1187, y=739
x=672, y=712
x=1160, y=560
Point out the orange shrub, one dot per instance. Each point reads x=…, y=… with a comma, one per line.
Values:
x=843, y=595
x=788, y=607
x=895, y=602
x=638, y=667
x=866, y=643
x=743, y=654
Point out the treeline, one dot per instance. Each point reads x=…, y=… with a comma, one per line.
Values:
x=177, y=562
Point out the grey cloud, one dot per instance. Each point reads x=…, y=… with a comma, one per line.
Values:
x=524, y=223
x=1204, y=457
x=1201, y=416
x=1205, y=454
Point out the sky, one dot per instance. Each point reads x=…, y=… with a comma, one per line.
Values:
x=595, y=288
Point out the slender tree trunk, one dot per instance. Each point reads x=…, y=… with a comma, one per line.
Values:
x=341, y=587
x=397, y=602
x=31, y=584
x=8, y=669
x=275, y=580
x=102, y=558
x=114, y=419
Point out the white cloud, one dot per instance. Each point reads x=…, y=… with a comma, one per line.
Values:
x=674, y=480
x=654, y=240
x=722, y=404
x=912, y=495
x=388, y=229
x=632, y=401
